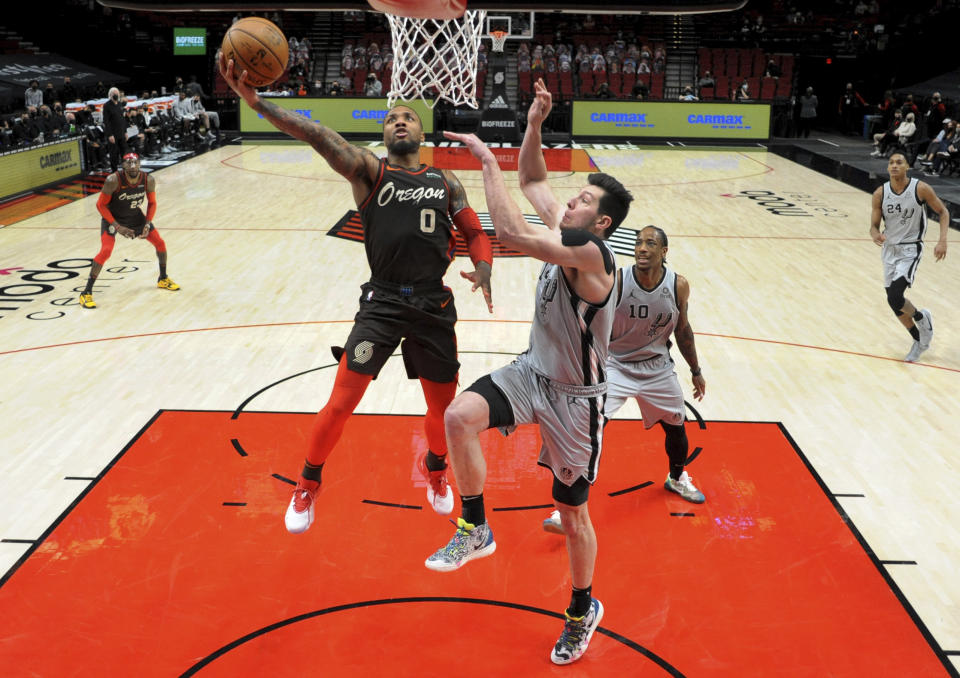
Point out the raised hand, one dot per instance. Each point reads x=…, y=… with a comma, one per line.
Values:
x=541, y=105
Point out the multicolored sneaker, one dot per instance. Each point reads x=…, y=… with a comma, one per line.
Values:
x=685, y=488
x=576, y=634
x=167, y=284
x=299, y=514
x=86, y=300
x=468, y=542
x=439, y=494
x=553, y=524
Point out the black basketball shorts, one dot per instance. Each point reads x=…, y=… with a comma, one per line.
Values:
x=422, y=318
x=136, y=225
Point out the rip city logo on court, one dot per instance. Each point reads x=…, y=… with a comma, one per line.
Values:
x=790, y=204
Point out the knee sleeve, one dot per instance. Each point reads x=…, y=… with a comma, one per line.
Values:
x=106, y=248
x=895, y=296
x=572, y=495
x=676, y=442
x=154, y=239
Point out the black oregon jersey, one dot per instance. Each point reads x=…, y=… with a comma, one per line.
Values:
x=406, y=225
x=125, y=202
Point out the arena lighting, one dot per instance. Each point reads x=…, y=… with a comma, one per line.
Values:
x=581, y=7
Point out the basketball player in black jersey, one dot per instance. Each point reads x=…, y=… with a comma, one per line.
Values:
x=407, y=210
x=119, y=204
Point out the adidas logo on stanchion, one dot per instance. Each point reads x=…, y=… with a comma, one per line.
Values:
x=498, y=103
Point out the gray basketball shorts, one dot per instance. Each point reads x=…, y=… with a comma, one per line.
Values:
x=570, y=419
x=653, y=383
x=900, y=261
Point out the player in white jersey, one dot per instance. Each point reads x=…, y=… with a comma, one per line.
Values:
x=560, y=381
x=651, y=305
x=901, y=203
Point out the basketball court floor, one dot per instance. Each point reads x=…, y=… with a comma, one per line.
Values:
x=148, y=446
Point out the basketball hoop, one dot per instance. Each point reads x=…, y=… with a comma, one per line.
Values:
x=499, y=39
x=438, y=54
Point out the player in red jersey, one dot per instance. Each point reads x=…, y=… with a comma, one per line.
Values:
x=120, y=202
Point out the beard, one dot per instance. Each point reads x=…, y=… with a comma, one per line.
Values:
x=403, y=146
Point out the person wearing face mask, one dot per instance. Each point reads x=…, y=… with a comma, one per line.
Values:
x=115, y=127
x=33, y=96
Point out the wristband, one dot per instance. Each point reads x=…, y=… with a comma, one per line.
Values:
x=696, y=372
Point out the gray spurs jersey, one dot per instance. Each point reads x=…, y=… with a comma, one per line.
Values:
x=904, y=215
x=644, y=319
x=569, y=337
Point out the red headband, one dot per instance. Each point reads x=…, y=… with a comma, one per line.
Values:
x=131, y=155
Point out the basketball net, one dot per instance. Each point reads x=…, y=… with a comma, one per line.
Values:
x=436, y=54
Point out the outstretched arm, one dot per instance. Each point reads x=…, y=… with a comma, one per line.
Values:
x=514, y=231
x=531, y=166
x=683, y=333
x=358, y=166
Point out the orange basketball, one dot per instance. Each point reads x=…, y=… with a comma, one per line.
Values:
x=258, y=47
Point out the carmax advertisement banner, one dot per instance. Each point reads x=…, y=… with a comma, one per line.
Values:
x=340, y=114
x=29, y=169
x=687, y=120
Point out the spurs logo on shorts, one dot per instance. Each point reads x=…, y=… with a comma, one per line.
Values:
x=362, y=352
x=565, y=473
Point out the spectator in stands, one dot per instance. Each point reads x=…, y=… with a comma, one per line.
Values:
x=26, y=129
x=941, y=142
x=808, y=112
x=935, y=115
x=194, y=89
x=115, y=127
x=33, y=96
x=772, y=70
x=68, y=93
x=851, y=110
x=135, y=136
x=209, y=120
x=178, y=85
x=335, y=89
x=643, y=66
x=372, y=87
x=949, y=151
x=882, y=140
x=70, y=127
x=640, y=90
x=706, y=80
x=99, y=90
x=95, y=147
x=743, y=91
x=603, y=91
x=910, y=106
x=59, y=119
x=688, y=95
x=886, y=108
x=183, y=111
x=49, y=94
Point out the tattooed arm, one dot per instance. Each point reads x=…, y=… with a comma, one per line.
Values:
x=683, y=333
x=358, y=166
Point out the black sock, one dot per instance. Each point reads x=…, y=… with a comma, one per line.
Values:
x=579, y=602
x=435, y=463
x=473, y=509
x=89, y=288
x=917, y=316
x=915, y=333
x=311, y=472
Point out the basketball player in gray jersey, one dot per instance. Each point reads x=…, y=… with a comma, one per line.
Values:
x=651, y=305
x=901, y=203
x=560, y=381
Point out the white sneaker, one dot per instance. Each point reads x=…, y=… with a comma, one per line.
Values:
x=299, y=516
x=553, y=524
x=875, y=154
x=468, y=542
x=685, y=488
x=926, y=328
x=915, y=352
x=439, y=494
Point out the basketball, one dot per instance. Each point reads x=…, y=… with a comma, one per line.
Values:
x=258, y=47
